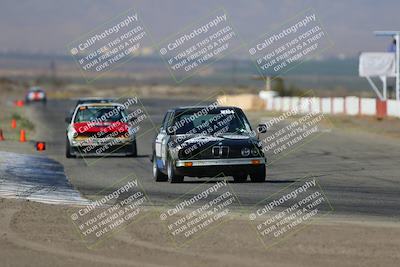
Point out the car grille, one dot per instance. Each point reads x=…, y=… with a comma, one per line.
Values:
x=102, y=135
x=211, y=152
x=220, y=151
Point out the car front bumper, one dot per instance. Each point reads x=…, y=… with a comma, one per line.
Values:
x=111, y=146
x=214, y=167
x=88, y=142
x=220, y=162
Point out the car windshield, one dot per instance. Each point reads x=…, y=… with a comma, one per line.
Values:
x=214, y=122
x=105, y=114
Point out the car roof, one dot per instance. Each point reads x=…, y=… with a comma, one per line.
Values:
x=201, y=107
x=36, y=88
x=93, y=98
x=100, y=105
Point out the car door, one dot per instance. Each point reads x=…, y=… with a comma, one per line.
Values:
x=161, y=142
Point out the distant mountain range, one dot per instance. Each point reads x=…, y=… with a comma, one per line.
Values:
x=326, y=74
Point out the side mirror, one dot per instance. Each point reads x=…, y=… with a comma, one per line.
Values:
x=131, y=121
x=262, y=128
x=68, y=119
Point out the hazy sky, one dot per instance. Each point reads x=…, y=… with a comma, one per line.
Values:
x=47, y=26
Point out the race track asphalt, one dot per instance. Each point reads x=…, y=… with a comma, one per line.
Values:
x=359, y=172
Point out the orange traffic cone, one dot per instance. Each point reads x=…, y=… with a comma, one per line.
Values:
x=13, y=123
x=22, y=137
x=1, y=135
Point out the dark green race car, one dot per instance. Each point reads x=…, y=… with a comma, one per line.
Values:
x=207, y=141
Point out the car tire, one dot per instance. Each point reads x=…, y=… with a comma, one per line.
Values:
x=172, y=177
x=68, y=149
x=133, y=150
x=259, y=175
x=241, y=178
x=157, y=174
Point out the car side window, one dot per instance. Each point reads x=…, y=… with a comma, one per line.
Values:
x=169, y=120
x=164, y=122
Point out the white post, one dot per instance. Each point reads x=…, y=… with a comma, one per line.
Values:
x=384, y=87
x=397, y=38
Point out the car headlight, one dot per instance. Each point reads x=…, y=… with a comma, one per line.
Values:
x=74, y=133
x=132, y=131
x=245, y=152
x=255, y=151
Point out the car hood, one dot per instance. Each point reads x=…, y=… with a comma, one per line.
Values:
x=226, y=139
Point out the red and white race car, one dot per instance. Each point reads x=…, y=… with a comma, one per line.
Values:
x=35, y=94
x=98, y=129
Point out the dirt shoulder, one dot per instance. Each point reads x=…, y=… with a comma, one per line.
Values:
x=37, y=234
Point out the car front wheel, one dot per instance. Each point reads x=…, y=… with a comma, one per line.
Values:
x=157, y=174
x=133, y=149
x=68, y=149
x=172, y=177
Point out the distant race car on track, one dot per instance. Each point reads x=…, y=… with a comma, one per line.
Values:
x=35, y=94
x=206, y=142
x=98, y=129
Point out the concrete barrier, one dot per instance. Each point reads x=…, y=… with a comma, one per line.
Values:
x=315, y=105
x=243, y=101
x=286, y=103
x=393, y=108
x=277, y=103
x=368, y=106
x=352, y=105
x=295, y=102
x=338, y=105
x=304, y=105
x=326, y=105
x=349, y=105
